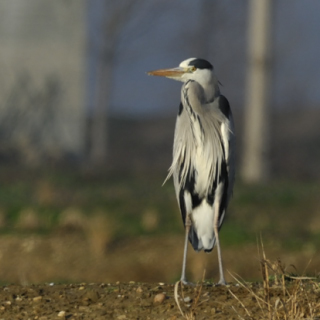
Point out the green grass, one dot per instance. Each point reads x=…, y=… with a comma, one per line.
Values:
x=283, y=212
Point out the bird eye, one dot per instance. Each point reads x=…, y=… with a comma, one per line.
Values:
x=193, y=68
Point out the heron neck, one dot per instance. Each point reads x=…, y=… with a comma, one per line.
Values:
x=212, y=91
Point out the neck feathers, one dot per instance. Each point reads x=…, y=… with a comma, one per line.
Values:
x=196, y=95
x=212, y=91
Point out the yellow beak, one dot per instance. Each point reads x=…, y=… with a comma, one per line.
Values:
x=174, y=73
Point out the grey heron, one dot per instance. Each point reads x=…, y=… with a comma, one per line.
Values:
x=203, y=156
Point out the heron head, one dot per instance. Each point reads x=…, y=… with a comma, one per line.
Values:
x=196, y=69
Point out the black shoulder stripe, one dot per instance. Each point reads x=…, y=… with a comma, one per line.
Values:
x=182, y=206
x=224, y=106
x=212, y=190
x=180, y=108
x=190, y=187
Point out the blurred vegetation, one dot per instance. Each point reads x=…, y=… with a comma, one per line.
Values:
x=123, y=205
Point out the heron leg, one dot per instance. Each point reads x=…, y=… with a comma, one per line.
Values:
x=222, y=281
x=184, y=261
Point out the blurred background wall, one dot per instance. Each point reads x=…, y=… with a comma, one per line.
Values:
x=74, y=71
x=42, y=61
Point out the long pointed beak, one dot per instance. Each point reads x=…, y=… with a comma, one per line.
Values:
x=174, y=73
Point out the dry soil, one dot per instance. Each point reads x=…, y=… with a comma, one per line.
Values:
x=156, y=301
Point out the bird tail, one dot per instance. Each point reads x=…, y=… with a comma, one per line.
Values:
x=197, y=243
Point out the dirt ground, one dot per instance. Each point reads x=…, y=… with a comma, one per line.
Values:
x=38, y=265
x=156, y=301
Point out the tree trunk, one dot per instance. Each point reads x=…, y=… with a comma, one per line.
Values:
x=99, y=130
x=255, y=159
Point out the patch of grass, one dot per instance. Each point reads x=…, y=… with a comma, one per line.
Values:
x=283, y=296
x=233, y=235
x=277, y=210
x=282, y=211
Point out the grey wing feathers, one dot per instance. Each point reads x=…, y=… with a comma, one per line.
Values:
x=216, y=159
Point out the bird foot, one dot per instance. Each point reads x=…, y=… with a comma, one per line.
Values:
x=186, y=283
x=221, y=282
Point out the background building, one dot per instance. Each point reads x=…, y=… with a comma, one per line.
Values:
x=42, y=63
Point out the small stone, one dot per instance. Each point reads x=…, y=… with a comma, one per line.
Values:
x=155, y=288
x=83, y=308
x=37, y=299
x=131, y=282
x=81, y=288
x=62, y=314
x=187, y=299
x=159, y=298
x=92, y=296
x=145, y=303
x=139, y=290
x=123, y=316
x=161, y=283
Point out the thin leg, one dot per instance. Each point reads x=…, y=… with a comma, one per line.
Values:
x=222, y=281
x=184, y=261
